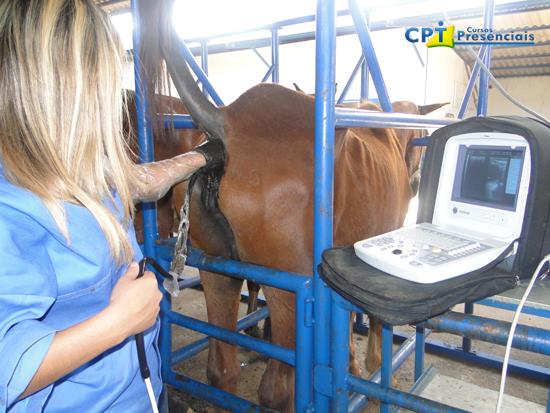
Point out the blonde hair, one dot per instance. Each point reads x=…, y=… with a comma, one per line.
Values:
x=61, y=111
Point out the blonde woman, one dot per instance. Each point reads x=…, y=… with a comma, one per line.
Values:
x=70, y=302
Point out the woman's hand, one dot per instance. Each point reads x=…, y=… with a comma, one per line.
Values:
x=135, y=302
x=133, y=308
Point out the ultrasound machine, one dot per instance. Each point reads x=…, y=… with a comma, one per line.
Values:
x=478, y=214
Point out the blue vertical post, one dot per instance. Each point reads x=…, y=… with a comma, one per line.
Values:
x=145, y=139
x=204, y=63
x=149, y=211
x=419, y=350
x=483, y=99
x=467, y=342
x=471, y=83
x=386, y=370
x=370, y=55
x=339, y=349
x=325, y=48
x=275, y=54
x=304, y=356
x=364, y=82
x=190, y=59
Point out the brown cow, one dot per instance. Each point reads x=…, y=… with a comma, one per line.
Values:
x=266, y=198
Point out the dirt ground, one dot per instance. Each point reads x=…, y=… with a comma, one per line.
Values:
x=191, y=302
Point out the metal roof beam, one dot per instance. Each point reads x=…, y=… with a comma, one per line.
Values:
x=521, y=56
x=514, y=67
x=521, y=75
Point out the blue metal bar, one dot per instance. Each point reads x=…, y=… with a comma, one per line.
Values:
x=303, y=397
x=204, y=63
x=467, y=342
x=483, y=99
x=389, y=395
x=145, y=140
x=189, y=282
x=199, y=73
x=536, y=340
x=149, y=212
x=358, y=401
x=261, y=275
x=419, y=353
x=261, y=57
x=213, y=395
x=420, y=20
x=339, y=349
x=352, y=77
x=325, y=61
x=420, y=141
x=528, y=309
x=179, y=121
x=268, y=73
x=348, y=117
x=370, y=55
x=531, y=371
x=275, y=54
x=471, y=82
x=386, y=370
x=271, y=350
x=364, y=82
x=198, y=346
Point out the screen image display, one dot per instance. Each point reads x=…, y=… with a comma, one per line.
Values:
x=488, y=176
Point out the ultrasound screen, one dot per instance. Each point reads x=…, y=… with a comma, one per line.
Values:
x=488, y=176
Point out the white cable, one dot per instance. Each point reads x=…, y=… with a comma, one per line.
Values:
x=151, y=394
x=513, y=330
x=503, y=91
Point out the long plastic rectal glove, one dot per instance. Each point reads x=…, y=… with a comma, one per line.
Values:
x=158, y=177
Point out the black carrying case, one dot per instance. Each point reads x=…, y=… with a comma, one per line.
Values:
x=397, y=301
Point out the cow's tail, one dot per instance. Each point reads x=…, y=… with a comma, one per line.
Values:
x=160, y=43
x=161, y=52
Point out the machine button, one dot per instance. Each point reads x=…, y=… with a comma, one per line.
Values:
x=397, y=251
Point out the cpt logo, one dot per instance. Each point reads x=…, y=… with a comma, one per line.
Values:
x=440, y=36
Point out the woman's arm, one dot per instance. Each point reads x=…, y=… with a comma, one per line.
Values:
x=133, y=308
x=159, y=177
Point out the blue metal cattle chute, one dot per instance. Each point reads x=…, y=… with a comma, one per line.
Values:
x=320, y=357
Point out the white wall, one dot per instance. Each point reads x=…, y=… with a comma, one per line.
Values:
x=531, y=91
x=233, y=73
x=441, y=79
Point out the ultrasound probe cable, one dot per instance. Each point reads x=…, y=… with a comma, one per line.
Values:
x=140, y=343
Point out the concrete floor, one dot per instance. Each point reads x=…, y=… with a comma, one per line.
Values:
x=191, y=302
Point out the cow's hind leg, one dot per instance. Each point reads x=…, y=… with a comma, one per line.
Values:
x=253, y=291
x=277, y=386
x=374, y=346
x=222, y=303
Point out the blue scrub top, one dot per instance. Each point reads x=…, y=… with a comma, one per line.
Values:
x=48, y=285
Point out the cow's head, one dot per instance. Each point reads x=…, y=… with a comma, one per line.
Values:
x=413, y=154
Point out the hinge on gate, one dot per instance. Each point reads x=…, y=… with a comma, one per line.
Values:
x=322, y=380
x=309, y=320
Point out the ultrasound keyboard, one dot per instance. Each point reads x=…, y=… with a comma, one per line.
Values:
x=425, y=253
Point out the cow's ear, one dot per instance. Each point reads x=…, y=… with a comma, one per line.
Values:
x=298, y=89
x=425, y=109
